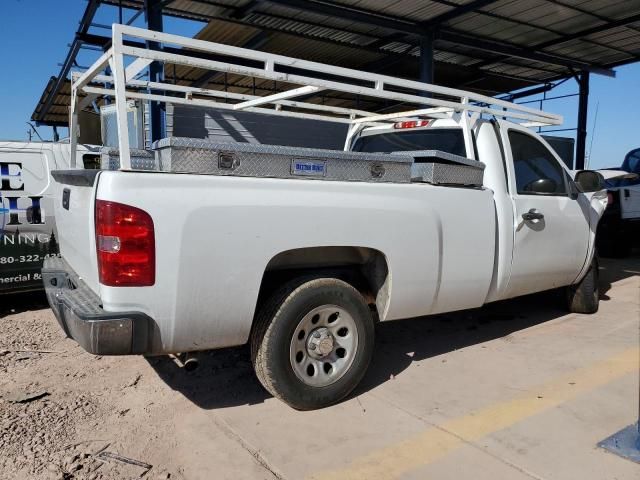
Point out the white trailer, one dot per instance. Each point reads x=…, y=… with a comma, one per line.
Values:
x=27, y=224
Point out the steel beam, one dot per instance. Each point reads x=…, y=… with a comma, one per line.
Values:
x=355, y=14
x=457, y=12
x=426, y=58
x=512, y=50
x=153, y=17
x=527, y=93
x=583, y=105
x=244, y=11
x=85, y=23
x=425, y=65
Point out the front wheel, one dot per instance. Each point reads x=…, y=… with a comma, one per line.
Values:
x=312, y=342
x=584, y=296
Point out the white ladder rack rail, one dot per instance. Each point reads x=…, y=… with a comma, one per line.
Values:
x=309, y=77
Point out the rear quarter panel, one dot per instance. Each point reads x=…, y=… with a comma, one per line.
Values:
x=215, y=236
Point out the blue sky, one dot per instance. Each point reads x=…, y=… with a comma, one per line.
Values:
x=34, y=35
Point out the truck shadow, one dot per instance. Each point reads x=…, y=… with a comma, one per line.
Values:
x=615, y=269
x=13, y=303
x=225, y=377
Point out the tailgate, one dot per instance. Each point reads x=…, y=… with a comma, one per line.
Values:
x=74, y=205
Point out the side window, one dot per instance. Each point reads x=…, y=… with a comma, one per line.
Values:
x=536, y=170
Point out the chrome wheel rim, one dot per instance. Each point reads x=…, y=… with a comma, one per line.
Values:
x=323, y=345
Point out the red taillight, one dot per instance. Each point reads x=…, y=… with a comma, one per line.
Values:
x=126, y=245
x=412, y=124
x=609, y=199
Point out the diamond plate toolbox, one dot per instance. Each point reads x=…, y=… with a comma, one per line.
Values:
x=140, y=159
x=442, y=168
x=188, y=155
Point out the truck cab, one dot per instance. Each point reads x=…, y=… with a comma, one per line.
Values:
x=537, y=199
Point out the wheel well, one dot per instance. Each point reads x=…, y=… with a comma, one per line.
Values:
x=366, y=269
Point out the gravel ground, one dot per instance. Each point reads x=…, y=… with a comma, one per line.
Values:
x=65, y=414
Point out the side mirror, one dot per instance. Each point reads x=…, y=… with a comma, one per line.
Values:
x=542, y=185
x=590, y=181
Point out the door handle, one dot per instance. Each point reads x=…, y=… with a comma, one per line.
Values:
x=532, y=215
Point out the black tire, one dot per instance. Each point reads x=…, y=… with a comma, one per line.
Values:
x=273, y=331
x=584, y=296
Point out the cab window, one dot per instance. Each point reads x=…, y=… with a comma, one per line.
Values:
x=537, y=171
x=450, y=140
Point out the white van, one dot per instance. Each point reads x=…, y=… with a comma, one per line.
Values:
x=27, y=228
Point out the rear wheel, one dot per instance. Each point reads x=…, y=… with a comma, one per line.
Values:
x=312, y=342
x=584, y=296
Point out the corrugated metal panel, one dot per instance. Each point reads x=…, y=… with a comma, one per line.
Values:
x=344, y=41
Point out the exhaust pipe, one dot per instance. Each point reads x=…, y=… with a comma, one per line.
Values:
x=190, y=362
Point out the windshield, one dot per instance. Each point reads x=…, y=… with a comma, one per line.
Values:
x=450, y=140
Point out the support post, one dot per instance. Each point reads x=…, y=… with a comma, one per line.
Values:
x=153, y=16
x=583, y=105
x=73, y=126
x=116, y=62
x=426, y=58
x=108, y=72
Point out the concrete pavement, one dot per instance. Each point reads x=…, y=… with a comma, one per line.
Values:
x=515, y=390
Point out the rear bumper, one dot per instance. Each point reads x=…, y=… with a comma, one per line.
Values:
x=79, y=312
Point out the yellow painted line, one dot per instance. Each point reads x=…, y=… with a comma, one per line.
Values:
x=434, y=443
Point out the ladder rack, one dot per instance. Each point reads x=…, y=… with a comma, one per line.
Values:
x=308, y=78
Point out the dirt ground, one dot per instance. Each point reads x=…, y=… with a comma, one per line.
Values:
x=61, y=406
x=65, y=414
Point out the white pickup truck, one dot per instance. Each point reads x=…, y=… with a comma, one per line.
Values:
x=301, y=263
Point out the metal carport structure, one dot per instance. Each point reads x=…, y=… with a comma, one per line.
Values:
x=488, y=46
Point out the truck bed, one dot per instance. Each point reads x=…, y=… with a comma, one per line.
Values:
x=216, y=235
